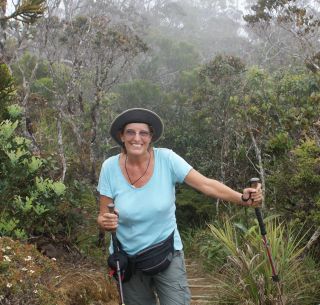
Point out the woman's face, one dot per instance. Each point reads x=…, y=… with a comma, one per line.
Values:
x=136, y=138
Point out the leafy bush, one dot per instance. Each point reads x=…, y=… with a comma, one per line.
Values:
x=29, y=197
x=7, y=90
x=28, y=200
x=297, y=183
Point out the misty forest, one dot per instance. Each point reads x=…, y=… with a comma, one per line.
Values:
x=237, y=84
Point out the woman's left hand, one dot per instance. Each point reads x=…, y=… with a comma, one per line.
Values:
x=252, y=196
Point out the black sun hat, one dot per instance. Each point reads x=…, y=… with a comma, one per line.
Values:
x=136, y=115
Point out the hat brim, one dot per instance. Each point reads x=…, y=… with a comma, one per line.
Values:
x=136, y=115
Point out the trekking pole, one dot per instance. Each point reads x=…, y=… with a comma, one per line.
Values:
x=116, y=250
x=275, y=277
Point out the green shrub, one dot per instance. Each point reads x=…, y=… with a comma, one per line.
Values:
x=297, y=183
x=7, y=90
x=29, y=201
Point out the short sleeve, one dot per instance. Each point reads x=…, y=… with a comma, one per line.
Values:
x=104, y=184
x=179, y=167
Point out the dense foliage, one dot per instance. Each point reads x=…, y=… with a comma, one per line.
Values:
x=29, y=200
x=237, y=102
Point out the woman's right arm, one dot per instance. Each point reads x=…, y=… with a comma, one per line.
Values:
x=106, y=220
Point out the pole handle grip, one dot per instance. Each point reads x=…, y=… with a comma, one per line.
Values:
x=254, y=183
x=111, y=208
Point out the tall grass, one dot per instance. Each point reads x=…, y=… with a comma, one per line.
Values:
x=236, y=258
x=245, y=277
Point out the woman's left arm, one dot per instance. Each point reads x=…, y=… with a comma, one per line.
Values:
x=216, y=189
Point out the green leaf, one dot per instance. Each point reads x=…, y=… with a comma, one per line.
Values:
x=22, y=141
x=15, y=156
x=20, y=234
x=40, y=209
x=58, y=187
x=7, y=128
x=14, y=111
x=34, y=164
x=7, y=225
x=27, y=205
x=41, y=184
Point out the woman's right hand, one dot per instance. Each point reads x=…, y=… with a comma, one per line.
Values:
x=108, y=221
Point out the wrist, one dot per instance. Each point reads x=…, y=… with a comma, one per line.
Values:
x=244, y=199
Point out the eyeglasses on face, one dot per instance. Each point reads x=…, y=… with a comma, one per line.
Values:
x=132, y=133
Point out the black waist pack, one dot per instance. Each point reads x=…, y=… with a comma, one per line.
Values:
x=155, y=258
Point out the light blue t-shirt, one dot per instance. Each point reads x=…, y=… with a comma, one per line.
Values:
x=146, y=214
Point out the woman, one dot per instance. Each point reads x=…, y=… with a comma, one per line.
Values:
x=141, y=183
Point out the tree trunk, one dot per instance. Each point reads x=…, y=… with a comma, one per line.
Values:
x=260, y=164
x=94, y=130
x=61, y=149
x=3, y=24
x=26, y=121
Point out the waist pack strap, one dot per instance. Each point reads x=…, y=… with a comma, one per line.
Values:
x=154, y=258
x=167, y=241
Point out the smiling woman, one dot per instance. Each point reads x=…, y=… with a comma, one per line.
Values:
x=136, y=142
x=140, y=181
x=136, y=137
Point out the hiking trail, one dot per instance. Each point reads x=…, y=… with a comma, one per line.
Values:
x=199, y=284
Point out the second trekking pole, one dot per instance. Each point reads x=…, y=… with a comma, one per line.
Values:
x=275, y=277
x=116, y=250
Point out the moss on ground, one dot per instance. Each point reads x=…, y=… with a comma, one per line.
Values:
x=28, y=277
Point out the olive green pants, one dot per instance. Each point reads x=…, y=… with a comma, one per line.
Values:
x=170, y=286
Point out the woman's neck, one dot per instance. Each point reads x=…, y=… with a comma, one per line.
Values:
x=138, y=159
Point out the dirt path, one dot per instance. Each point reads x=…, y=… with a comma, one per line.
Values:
x=199, y=283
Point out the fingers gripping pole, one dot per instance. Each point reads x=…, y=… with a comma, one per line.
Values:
x=111, y=207
x=254, y=184
x=275, y=277
x=113, y=233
